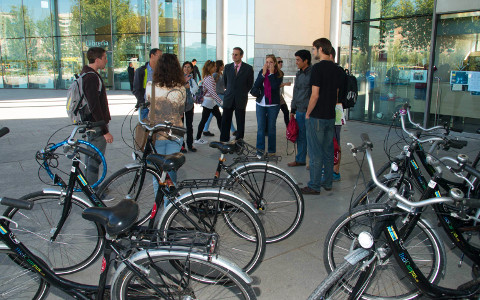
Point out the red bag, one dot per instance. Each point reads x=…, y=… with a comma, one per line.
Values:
x=292, y=130
x=336, y=151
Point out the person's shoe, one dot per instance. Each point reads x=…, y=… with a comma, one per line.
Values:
x=272, y=154
x=208, y=133
x=327, y=188
x=308, y=167
x=309, y=191
x=234, y=133
x=336, y=176
x=183, y=150
x=192, y=149
x=201, y=142
x=295, y=164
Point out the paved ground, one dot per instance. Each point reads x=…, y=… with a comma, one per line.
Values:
x=291, y=268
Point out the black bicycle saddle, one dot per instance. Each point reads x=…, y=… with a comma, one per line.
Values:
x=224, y=147
x=167, y=163
x=115, y=219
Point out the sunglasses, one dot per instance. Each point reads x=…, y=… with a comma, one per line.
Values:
x=280, y=61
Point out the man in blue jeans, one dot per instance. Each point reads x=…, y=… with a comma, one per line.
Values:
x=320, y=117
x=301, y=95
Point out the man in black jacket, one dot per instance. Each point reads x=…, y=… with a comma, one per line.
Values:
x=142, y=76
x=131, y=74
x=238, y=78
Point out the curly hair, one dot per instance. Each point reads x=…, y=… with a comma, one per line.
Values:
x=168, y=72
x=206, y=68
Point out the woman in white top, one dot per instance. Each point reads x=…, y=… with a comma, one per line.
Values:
x=211, y=100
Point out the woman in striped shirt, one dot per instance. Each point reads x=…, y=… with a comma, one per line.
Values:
x=211, y=100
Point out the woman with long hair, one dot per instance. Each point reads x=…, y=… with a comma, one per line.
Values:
x=169, y=103
x=211, y=101
x=191, y=88
x=268, y=103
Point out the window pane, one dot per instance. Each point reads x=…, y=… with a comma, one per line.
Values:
x=251, y=17
x=128, y=17
x=168, y=26
x=95, y=16
x=236, y=41
x=373, y=9
x=40, y=63
x=196, y=48
x=12, y=19
x=128, y=48
x=37, y=18
x=200, y=13
x=237, y=17
x=13, y=55
x=68, y=60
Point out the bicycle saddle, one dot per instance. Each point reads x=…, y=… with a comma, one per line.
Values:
x=224, y=147
x=115, y=219
x=167, y=163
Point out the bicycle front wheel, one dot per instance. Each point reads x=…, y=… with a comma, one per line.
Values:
x=176, y=283
x=18, y=282
x=209, y=211
x=136, y=183
x=388, y=281
x=276, y=196
x=77, y=246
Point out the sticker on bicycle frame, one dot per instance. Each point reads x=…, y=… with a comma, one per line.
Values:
x=432, y=184
x=393, y=234
x=82, y=180
x=73, y=169
x=437, y=194
x=2, y=230
x=13, y=238
x=414, y=164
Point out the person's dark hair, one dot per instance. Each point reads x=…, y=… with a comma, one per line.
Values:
x=94, y=53
x=239, y=49
x=325, y=44
x=304, y=55
x=218, y=65
x=333, y=53
x=167, y=72
x=187, y=63
x=194, y=60
x=153, y=52
x=206, y=68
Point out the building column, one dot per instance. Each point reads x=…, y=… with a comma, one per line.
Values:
x=335, y=24
x=154, y=24
x=221, y=30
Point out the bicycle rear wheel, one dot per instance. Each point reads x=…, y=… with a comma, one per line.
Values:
x=129, y=183
x=77, y=246
x=423, y=244
x=18, y=282
x=177, y=283
x=210, y=211
x=276, y=196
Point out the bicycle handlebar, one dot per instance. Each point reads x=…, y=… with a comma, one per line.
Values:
x=17, y=203
x=4, y=131
x=406, y=108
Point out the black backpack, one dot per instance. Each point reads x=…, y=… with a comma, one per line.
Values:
x=349, y=90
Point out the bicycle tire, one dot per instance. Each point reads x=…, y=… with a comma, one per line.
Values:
x=79, y=243
x=373, y=194
x=214, y=208
x=18, y=281
x=227, y=284
x=127, y=183
x=333, y=286
x=385, y=283
x=92, y=148
x=282, y=207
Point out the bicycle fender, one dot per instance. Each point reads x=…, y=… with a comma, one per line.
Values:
x=133, y=165
x=62, y=193
x=261, y=164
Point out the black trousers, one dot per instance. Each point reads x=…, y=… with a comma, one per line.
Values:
x=205, y=114
x=227, y=123
x=188, y=122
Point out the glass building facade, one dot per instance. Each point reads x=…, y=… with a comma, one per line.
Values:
x=390, y=55
x=43, y=43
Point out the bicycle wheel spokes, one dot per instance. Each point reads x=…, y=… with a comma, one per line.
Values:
x=79, y=242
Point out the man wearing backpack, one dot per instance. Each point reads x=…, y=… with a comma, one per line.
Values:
x=142, y=76
x=97, y=101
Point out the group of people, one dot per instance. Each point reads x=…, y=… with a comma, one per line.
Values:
x=315, y=97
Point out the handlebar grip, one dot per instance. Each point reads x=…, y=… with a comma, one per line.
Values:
x=472, y=171
x=17, y=203
x=4, y=131
x=473, y=203
x=366, y=140
x=90, y=153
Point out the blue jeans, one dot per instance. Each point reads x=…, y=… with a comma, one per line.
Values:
x=267, y=115
x=167, y=147
x=320, y=148
x=207, y=125
x=302, y=138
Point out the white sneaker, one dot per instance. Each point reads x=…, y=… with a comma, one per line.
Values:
x=201, y=142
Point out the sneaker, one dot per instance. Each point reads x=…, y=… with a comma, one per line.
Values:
x=309, y=191
x=201, y=142
x=192, y=149
x=208, y=133
x=183, y=150
x=336, y=176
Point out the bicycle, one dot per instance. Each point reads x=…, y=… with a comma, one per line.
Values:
x=357, y=275
x=56, y=224
x=184, y=267
x=270, y=189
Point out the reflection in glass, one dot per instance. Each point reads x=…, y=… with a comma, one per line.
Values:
x=40, y=63
x=236, y=17
x=37, y=18
x=13, y=55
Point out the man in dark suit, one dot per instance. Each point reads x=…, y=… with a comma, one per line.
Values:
x=238, y=78
x=131, y=75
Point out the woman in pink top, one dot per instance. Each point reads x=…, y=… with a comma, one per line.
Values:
x=211, y=100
